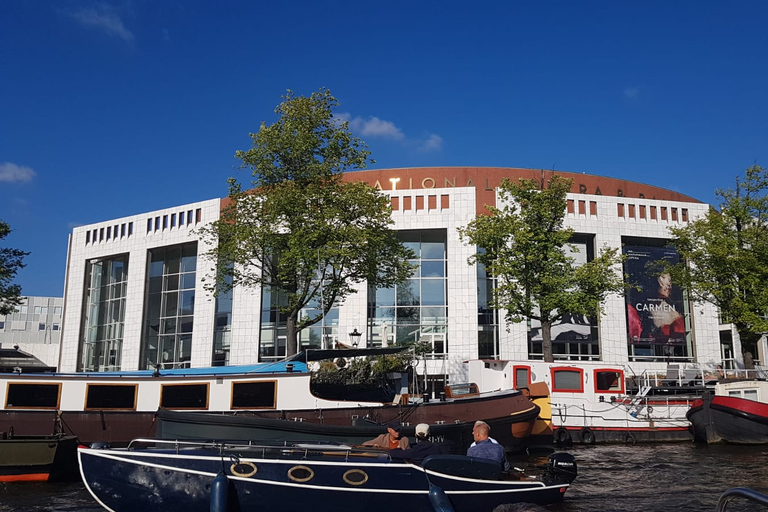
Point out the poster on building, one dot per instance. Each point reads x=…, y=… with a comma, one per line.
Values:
x=655, y=308
x=570, y=327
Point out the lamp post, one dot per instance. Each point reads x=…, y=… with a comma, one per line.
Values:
x=354, y=337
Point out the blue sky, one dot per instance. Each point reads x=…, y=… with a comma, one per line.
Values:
x=115, y=108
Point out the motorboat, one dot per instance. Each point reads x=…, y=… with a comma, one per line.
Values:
x=37, y=458
x=153, y=475
x=736, y=412
x=594, y=402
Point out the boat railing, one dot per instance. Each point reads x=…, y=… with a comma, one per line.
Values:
x=266, y=450
x=740, y=492
x=688, y=375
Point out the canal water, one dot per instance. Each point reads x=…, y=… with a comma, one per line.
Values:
x=679, y=477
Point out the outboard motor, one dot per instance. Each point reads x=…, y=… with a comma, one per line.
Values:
x=562, y=466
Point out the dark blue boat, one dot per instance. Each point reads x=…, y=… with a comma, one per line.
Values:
x=154, y=475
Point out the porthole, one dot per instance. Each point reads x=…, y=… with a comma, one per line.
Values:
x=301, y=474
x=243, y=469
x=355, y=477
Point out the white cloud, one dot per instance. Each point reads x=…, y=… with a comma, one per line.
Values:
x=433, y=143
x=632, y=92
x=13, y=173
x=373, y=127
x=105, y=18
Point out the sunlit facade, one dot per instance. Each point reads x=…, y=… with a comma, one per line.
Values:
x=135, y=296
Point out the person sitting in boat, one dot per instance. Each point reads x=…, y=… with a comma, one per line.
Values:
x=421, y=449
x=391, y=439
x=484, y=448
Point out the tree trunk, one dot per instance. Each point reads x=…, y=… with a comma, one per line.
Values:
x=291, y=335
x=546, y=341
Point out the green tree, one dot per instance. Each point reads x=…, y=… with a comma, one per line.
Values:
x=11, y=261
x=523, y=246
x=724, y=255
x=303, y=231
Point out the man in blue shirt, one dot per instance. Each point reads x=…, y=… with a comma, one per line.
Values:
x=484, y=448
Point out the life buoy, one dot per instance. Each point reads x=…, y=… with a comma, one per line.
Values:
x=563, y=437
x=587, y=436
x=629, y=438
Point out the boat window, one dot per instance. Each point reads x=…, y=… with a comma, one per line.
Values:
x=110, y=396
x=184, y=396
x=522, y=376
x=607, y=381
x=254, y=395
x=459, y=390
x=33, y=396
x=567, y=379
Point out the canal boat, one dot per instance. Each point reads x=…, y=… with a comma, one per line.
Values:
x=151, y=475
x=510, y=414
x=37, y=458
x=594, y=402
x=736, y=412
x=116, y=407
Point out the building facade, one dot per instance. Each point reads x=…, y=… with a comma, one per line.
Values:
x=35, y=327
x=135, y=291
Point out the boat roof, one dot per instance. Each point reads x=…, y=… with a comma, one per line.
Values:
x=293, y=364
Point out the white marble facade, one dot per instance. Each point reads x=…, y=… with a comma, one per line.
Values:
x=608, y=218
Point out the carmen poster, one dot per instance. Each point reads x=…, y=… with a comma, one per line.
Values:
x=655, y=312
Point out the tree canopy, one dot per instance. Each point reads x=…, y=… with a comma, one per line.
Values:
x=303, y=232
x=523, y=245
x=724, y=255
x=11, y=261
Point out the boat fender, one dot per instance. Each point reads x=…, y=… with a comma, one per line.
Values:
x=563, y=437
x=629, y=438
x=587, y=436
x=220, y=493
x=438, y=499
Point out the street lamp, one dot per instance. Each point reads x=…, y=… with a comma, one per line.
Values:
x=354, y=337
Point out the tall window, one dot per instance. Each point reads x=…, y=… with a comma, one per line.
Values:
x=323, y=334
x=416, y=310
x=101, y=331
x=222, y=331
x=170, y=307
x=574, y=337
x=487, y=317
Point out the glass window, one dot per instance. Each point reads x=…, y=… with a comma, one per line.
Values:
x=432, y=292
x=33, y=396
x=184, y=396
x=38, y=310
x=111, y=396
x=567, y=380
x=170, y=307
x=57, y=310
x=421, y=303
x=102, y=324
x=41, y=327
x=253, y=395
x=608, y=380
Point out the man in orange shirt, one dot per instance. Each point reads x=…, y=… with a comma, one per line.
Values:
x=391, y=439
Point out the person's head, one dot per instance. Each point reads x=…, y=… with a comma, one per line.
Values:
x=393, y=427
x=481, y=431
x=665, y=285
x=422, y=431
